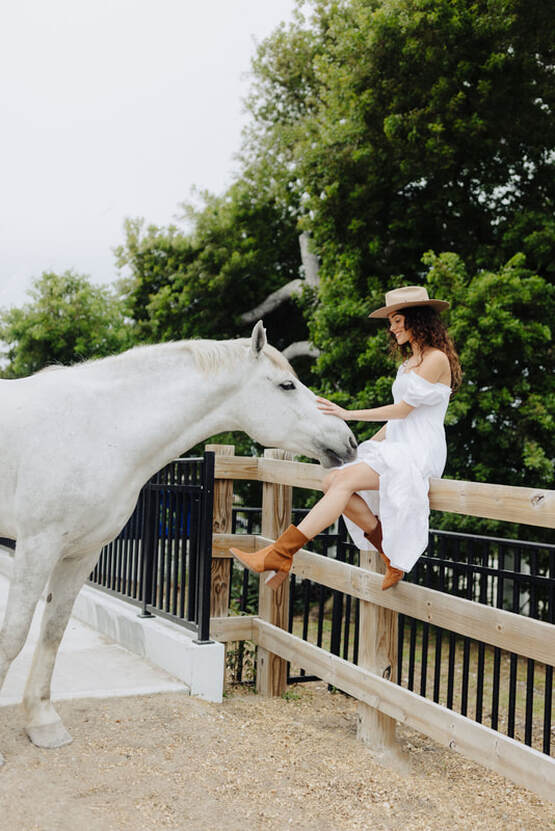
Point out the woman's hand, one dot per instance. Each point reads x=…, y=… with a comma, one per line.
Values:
x=329, y=408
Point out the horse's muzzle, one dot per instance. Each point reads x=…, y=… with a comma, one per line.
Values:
x=334, y=459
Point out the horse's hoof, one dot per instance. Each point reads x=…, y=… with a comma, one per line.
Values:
x=48, y=735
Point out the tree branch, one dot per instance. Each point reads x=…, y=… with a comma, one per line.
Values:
x=300, y=348
x=275, y=299
x=310, y=261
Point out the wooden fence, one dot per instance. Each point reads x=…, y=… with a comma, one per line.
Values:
x=382, y=703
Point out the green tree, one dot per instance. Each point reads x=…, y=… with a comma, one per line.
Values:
x=67, y=320
x=285, y=89
x=242, y=247
x=501, y=423
x=414, y=125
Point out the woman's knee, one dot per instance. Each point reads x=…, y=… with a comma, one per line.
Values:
x=355, y=478
x=338, y=479
x=328, y=480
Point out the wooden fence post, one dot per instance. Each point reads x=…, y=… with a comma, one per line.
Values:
x=271, y=674
x=221, y=524
x=377, y=652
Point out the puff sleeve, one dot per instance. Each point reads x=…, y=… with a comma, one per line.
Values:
x=420, y=392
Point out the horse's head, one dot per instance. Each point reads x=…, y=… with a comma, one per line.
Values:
x=279, y=411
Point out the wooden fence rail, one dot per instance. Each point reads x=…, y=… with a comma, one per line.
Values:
x=381, y=702
x=507, y=630
x=530, y=506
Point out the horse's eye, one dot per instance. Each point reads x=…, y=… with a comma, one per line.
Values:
x=287, y=385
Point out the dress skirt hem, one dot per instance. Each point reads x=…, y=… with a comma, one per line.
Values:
x=401, y=503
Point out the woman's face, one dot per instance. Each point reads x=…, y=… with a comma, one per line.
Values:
x=397, y=328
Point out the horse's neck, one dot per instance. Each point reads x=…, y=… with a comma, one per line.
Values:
x=164, y=404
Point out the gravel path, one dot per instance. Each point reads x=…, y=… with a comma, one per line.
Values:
x=171, y=762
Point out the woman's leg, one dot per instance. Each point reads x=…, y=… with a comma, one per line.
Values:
x=343, y=486
x=341, y=489
x=358, y=511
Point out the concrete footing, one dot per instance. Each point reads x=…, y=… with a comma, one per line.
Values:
x=161, y=642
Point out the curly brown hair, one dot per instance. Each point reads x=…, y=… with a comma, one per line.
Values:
x=428, y=329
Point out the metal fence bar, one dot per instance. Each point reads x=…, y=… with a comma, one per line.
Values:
x=148, y=554
x=154, y=561
x=425, y=632
x=205, y=549
x=547, y=709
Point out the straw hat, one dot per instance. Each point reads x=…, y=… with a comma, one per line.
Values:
x=408, y=296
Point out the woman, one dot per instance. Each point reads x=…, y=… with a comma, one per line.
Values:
x=390, y=477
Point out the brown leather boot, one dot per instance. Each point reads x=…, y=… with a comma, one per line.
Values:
x=276, y=557
x=375, y=537
x=392, y=575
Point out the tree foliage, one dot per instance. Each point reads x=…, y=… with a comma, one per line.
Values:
x=67, y=320
x=501, y=422
x=427, y=124
x=388, y=129
x=241, y=247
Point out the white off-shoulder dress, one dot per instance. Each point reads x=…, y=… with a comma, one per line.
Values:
x=413, y=450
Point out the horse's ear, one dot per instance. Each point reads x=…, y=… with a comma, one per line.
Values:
x=258, y=339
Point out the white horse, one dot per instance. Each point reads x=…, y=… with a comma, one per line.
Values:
x=77, y=445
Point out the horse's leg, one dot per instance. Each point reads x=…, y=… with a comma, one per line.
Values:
x=29, y=575
x=28, y=578
x=43, y=724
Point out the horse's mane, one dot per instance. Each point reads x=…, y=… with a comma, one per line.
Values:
x=214, y=355
x=208, y=355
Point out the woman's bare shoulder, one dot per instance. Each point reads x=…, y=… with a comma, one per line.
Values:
x=435, y=367
x=435, y=359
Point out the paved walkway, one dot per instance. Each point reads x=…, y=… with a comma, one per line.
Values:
x=88, y=665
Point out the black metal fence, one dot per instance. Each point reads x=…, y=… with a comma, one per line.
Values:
x=161, y=561
x=512, y=694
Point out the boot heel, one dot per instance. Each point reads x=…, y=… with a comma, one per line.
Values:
x=275, y=579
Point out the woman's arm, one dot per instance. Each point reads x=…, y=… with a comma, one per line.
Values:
x=387, y=413
x=434, y=367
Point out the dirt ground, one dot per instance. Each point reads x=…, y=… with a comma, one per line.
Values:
x=171, y=762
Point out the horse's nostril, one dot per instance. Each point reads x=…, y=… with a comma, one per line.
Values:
x=353, y=443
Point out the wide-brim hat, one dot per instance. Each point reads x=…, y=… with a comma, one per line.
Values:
x=408, y=296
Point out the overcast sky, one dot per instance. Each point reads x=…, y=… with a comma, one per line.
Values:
x=114, y=109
